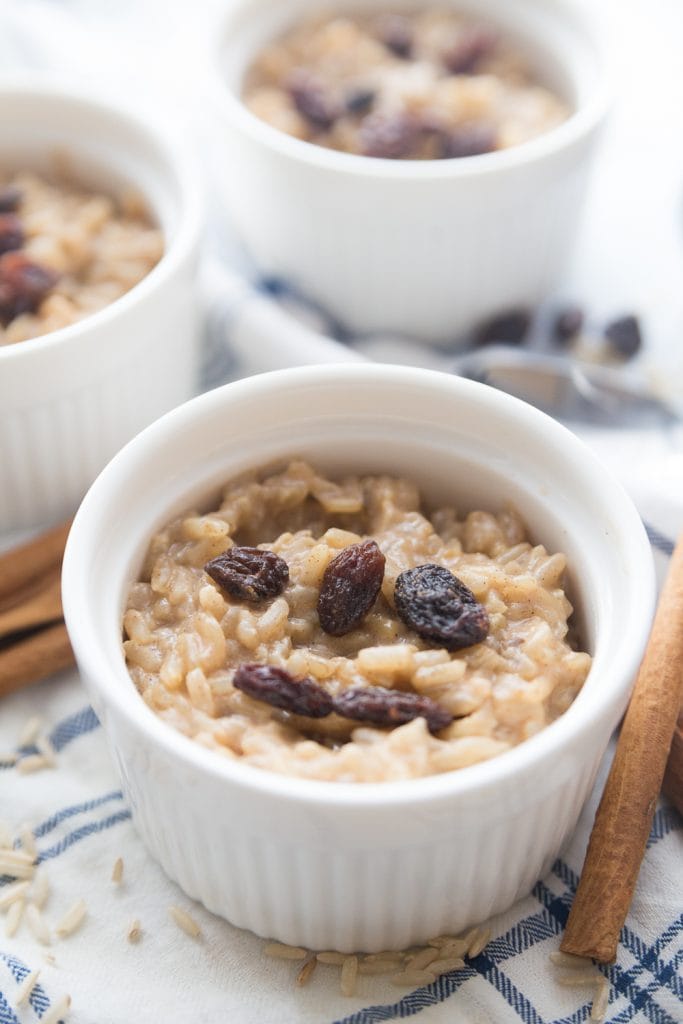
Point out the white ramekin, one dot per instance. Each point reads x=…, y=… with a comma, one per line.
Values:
x=426, y=248
x=70, y=399
x=352, y=866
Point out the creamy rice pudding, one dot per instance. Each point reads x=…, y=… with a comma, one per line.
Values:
x=339, y=630
x=424, y=85
x=66, y=252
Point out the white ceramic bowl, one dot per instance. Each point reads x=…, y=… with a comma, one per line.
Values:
x=355, y=866
x=70, y=399
x=421, y=247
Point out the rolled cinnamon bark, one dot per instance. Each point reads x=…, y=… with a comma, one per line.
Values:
x=624, y=817
x=21, y=566
x=672, y=786
x=37, y=656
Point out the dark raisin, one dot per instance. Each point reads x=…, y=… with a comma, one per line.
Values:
x=509, y=328
x=439, y=607
x=277, y=687
x=396, y=32
x=350, y=586
x=471, y=47
x=390, y=707
x=624, y=336
x=360, y=101
x=388, y=136
x=312, y=98
x=11, y=232
x=10, y=199
x=568, y=324
x=23, y=285
x=250, y=574
x=468, y=140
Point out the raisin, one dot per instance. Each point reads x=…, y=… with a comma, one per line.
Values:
x=360, y=101
x=312, y=99
x=10, y=199
x=275, y=686
x=568, y=323
x=624, y=336
x=250, y=574
x=439, y=607
x=390, y=707
x=471, y=47
x=468, y=140
x=11, y=232
x=509, y=328
x=23, y=285
x=388, y=136
x=395, y=31
x=350, y=586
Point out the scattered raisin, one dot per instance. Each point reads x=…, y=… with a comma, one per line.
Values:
x=23, y=285
x=312, y=98
x=472, y=46
x=568, y=324
x=439, y=607
x=388, y=136
x=509, y=328
x=11, y=232
x=468, y=140
x=275, y=686
x=10, y=199
x=350, y=586
x=390, y=707
x=250, y=574
x=395, y=31
x=624, y=336
x=360, y=101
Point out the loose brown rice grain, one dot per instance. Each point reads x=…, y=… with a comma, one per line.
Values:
x=185, y=921
x=37, y=924
x=578, y=979
x=377, y=967
x=284, y=952
x=26, y=987
x=28, y=841
x=306, y=970
x=32, y=763
x=13, y=919
x=455, y=963
x=601, y=1001
x=40, y=889
x=29, y=732
x=479, y=942
x=13, y=892
x=72, y=920
x=349, y=973
x=329, y=957
x=134, y=931
x=569, y=960
x=422, y=959
x=57, y=1012
x=45, y=747
x=117, y=871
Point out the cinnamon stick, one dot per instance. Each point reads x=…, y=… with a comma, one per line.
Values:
x=37, y=656
x=23, y=565
x=624, y=817
x=672, y=786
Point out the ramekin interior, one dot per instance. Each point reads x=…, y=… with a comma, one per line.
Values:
x=47, y=126
x=461, y=441
x=561, y=40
